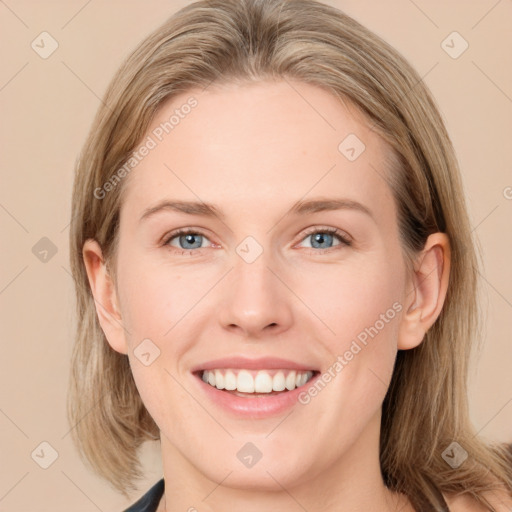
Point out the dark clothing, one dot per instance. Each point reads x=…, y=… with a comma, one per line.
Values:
x=149, y=502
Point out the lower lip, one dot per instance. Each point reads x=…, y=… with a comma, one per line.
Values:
x=254, y=407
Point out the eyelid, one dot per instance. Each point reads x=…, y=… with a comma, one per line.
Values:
x=344, y=238
x=342, y=235
x=181, y=232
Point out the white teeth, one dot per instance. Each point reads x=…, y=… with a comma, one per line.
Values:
x=245, y=382
x=279, y=382
x=291, y=379
x=229, y=380
x=262, y=382
x=219, y=380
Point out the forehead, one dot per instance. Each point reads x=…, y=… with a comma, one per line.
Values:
x=260, y=143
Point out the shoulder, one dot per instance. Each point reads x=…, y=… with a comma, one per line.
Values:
x=501, y=502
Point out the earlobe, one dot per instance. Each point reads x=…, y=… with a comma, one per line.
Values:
x=105, y=296
x=429, y=288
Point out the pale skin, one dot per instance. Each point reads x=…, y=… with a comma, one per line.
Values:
x=254, y=151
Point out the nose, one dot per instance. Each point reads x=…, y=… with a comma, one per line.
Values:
x=255, y=300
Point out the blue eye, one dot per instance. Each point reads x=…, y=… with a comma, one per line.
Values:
x=320, y=236
x=189, y=239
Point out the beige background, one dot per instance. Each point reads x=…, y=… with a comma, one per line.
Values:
x=47, y=106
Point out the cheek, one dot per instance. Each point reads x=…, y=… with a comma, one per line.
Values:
x=157, y=304
x=356, y=301
x=155, y=298
x=361, y=306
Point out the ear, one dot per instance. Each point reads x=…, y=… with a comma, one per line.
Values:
x=429, y=284
x=105, y=297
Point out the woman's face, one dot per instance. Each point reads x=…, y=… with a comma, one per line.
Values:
x=262, y=277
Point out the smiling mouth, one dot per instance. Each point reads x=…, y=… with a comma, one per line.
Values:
x=247, y=383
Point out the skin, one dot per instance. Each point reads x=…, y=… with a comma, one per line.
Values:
x=254, y=151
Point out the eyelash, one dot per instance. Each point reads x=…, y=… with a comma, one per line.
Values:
x=331, y=231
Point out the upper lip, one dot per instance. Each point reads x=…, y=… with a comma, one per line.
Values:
x=260, y=363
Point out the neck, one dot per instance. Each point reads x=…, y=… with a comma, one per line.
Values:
x=352, y=483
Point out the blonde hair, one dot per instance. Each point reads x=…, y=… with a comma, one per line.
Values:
x=246, y=40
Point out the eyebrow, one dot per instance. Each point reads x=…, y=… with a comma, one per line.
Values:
x=299, y=208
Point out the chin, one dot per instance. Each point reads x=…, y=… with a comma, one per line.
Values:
x=269, y=473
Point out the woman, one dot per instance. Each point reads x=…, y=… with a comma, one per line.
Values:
x=277, y=375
